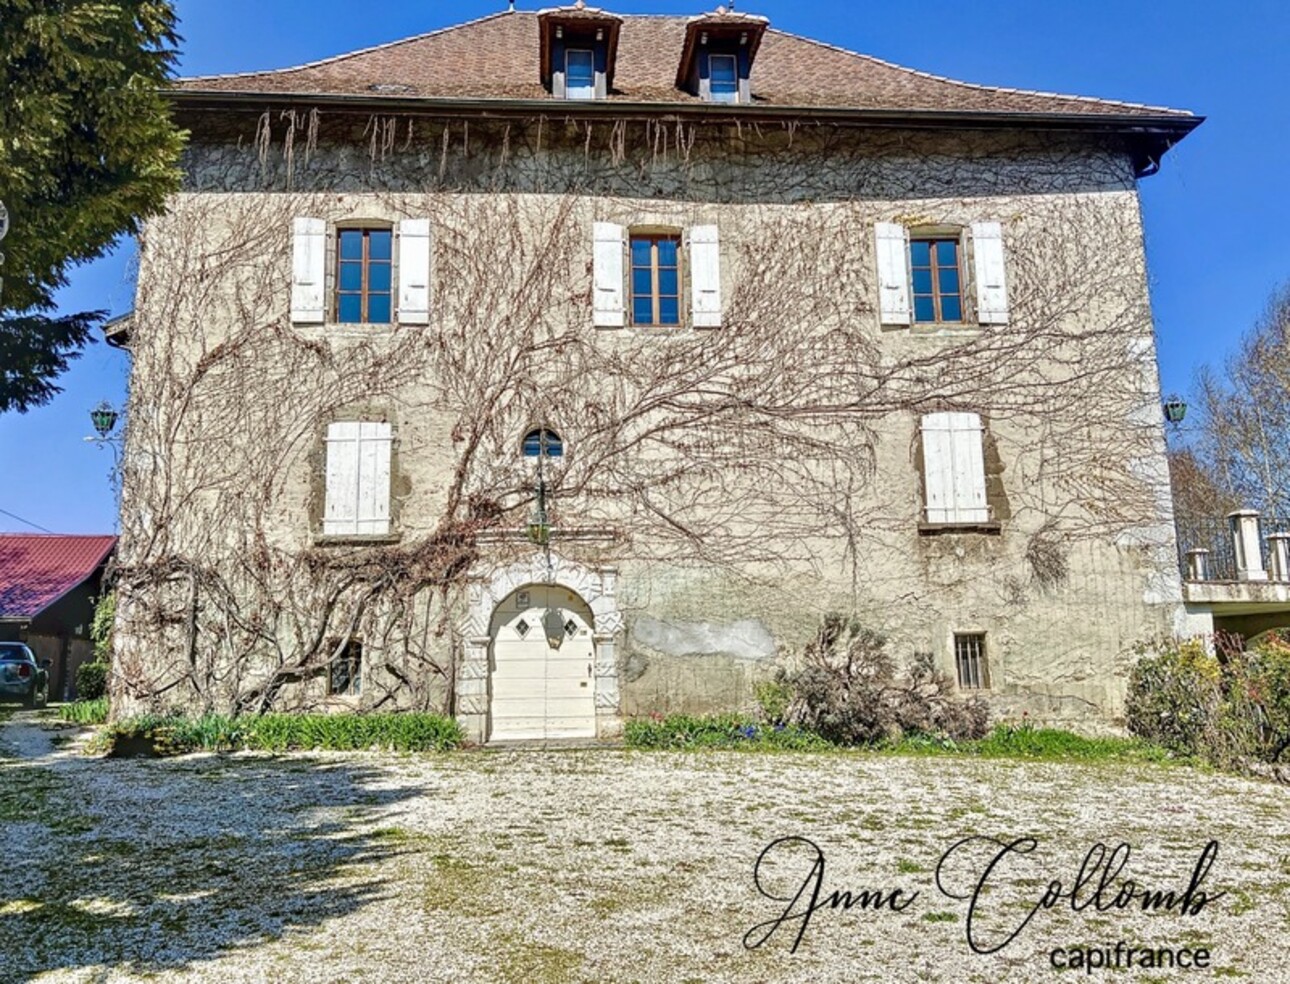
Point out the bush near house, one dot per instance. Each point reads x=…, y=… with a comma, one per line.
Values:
x=176, y=735
x=849, y=691
x=91, y=681
x=1006, y=740
x=1230, y=708
x=91, y=678
x=718, y=731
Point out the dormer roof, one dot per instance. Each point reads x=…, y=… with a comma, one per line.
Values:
x=745, y=30
x=578, y=18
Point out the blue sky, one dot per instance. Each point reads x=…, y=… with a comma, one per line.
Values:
x=1214, y=215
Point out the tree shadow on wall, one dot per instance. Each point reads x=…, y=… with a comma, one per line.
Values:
x=153, y=866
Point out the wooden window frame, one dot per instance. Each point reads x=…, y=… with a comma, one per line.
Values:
x=570, y=50
x=654, y=237
x=932, y=239
x=712, y=92
x=971, y=664
x=364, y=292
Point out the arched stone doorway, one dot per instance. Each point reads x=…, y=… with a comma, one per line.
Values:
x=542, y=666
x=596, y=588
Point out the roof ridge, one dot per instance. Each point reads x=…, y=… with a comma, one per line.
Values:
x=977, y=85
x=359, y=51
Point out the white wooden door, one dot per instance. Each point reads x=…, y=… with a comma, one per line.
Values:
x=540, y=691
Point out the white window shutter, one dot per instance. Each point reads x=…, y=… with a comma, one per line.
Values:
x=358, y=479
x=991, y=287
x=374, y=479
x=341, y=514
x=414, y=272
x=938, y=467
x=308, y=271
x=608, y=276
x=893, y=273
x=969, y=469
x=705, y=276
x=954, y=468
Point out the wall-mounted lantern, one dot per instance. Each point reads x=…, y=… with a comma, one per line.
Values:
x=104, y=418
x=1175, y=410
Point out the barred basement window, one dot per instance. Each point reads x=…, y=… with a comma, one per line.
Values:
x=345, y=675
x=969, y=657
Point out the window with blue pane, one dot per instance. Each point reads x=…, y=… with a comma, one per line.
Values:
x=579, y=74
x=723, y=78
x=937, y=280
x=656, y=280
x=543, y=443
x=364, y=276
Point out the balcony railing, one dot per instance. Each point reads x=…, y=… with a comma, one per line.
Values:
x=1242, y=546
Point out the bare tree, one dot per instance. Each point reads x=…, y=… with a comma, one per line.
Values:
x=1243, y=442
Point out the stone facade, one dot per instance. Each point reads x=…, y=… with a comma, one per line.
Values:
x=697, y=597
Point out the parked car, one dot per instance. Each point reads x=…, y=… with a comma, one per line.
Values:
x=21, y=677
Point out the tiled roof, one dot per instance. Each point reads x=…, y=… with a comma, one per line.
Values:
x=37, y=570
x=497, y=57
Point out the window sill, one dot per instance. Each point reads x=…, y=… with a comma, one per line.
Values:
x=356, y=539
x=683, y=330
x=945, y=328
x=989, y=527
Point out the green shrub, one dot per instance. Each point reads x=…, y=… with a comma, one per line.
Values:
x=101, y=627
x=717, y=731
x=1025, y=741
x=1011, y=741
x=1229, y=709
x=174, y=735
x=1256, y=709
x=85, y=711
x=396, y=732
x=774, y=698
x=1174, y=697
x=91, y=681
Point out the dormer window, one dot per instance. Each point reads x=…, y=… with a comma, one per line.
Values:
x=580, y=73
x=579, y=47
x=718, y=54
x=723, y=78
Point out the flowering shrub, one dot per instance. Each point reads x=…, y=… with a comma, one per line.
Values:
x=1229, y=708
x=1174, y=696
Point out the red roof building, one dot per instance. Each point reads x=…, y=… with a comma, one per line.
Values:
x=49, y=584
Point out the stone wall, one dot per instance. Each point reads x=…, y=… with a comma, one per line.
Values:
x=739, y=482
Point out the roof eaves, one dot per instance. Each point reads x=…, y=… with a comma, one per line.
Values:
x=1144, y=117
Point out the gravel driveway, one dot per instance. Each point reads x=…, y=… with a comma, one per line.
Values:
x=601, y=865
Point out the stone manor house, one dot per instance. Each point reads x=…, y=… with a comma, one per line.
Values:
x=565, y=366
